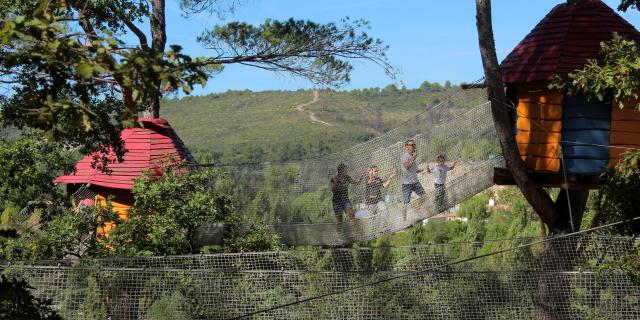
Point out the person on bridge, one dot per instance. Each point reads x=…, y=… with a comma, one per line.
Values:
x=410, y=182
x=340, y=189
x=373, y=189
x=440, y=177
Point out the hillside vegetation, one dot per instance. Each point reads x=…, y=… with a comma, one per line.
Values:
x=238, y=127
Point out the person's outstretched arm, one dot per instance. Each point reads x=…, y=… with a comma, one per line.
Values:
x=357, y=182
x=386, y=183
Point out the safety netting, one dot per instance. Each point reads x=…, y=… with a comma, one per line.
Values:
x=296, y=198
x=577, y=276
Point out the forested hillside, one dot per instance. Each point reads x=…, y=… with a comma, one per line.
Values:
x=246, y=127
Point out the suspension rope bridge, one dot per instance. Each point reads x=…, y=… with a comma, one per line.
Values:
x=462, y=132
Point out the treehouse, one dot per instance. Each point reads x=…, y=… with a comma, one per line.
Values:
x=147, y=148
x=559, y=135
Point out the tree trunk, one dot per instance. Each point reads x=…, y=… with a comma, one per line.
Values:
x=537, y=197
x=551, y=300
x=159, y=39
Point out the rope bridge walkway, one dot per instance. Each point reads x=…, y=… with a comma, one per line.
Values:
x=553, y=278
x=295, y=191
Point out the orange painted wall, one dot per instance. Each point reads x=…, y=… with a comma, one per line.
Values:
x=539, y=123
x=625, y=130
x=121, y=201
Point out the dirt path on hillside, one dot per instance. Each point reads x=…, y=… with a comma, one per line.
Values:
x=312, y=115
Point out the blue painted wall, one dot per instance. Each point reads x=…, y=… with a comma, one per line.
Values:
x=586, y=127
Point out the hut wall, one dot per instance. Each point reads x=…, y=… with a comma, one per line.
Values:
x=121, y=201
x=625, y=130
x=539, y=126
x=586, y=127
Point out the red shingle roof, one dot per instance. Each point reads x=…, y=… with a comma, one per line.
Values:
x=146, y=149
x=563, y=41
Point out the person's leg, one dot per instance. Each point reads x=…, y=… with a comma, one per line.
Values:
x=350, y=212
x=337, y=209
x=406, y=197
x=417, y=188
x=440, y=205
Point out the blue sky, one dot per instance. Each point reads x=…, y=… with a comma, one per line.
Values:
x=428, y=39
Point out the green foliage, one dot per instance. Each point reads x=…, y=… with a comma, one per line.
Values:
x=475, y=208
x=439, y=231
x=619, y=73
x=168, y=209
x=28, y=166
x=382, y=256
x=318, y=52
x=17, y=302
x=417, y=234
x=68, y=234
x=256, y=238
x=63, y=81
x=174, y=306
x=617, y=199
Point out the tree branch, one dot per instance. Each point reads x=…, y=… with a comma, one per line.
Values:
x=141, y=36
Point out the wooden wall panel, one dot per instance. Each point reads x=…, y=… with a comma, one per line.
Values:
x=539, y=111
x=625, y=126
x=538, y=124
x=527, y=124
x=537, y=137
x=625, y=129
x=546, y=150
x=541, y=163
x=624, y=114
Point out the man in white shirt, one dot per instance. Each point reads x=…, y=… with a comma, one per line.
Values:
x=410, y=182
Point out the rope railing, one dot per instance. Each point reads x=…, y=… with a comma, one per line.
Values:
x=442, y=281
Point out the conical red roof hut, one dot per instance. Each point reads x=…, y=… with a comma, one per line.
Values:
x=556, y=132
x=146, y=149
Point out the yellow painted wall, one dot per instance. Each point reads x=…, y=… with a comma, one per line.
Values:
x=625, y=130
x=538, y=127
x=121, y=201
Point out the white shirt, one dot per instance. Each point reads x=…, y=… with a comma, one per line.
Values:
x=440, y=173
x=409, y=176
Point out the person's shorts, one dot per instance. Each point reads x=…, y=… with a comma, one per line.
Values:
x=340, y=207
x=408, y=188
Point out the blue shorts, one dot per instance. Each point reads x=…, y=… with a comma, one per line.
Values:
x=408, y=188
x=340, y=207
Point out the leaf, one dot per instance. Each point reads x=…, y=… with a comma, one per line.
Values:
x=85, y=70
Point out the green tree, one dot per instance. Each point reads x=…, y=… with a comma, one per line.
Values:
x=17, y=302
x=390, y=89
x=617, y=199
x=475, y=208
x=28, y=166
x=169, y=208
x=83, y=85
x=618, y=73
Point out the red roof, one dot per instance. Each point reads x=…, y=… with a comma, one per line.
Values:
x=563, y=41
x=145, y=149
